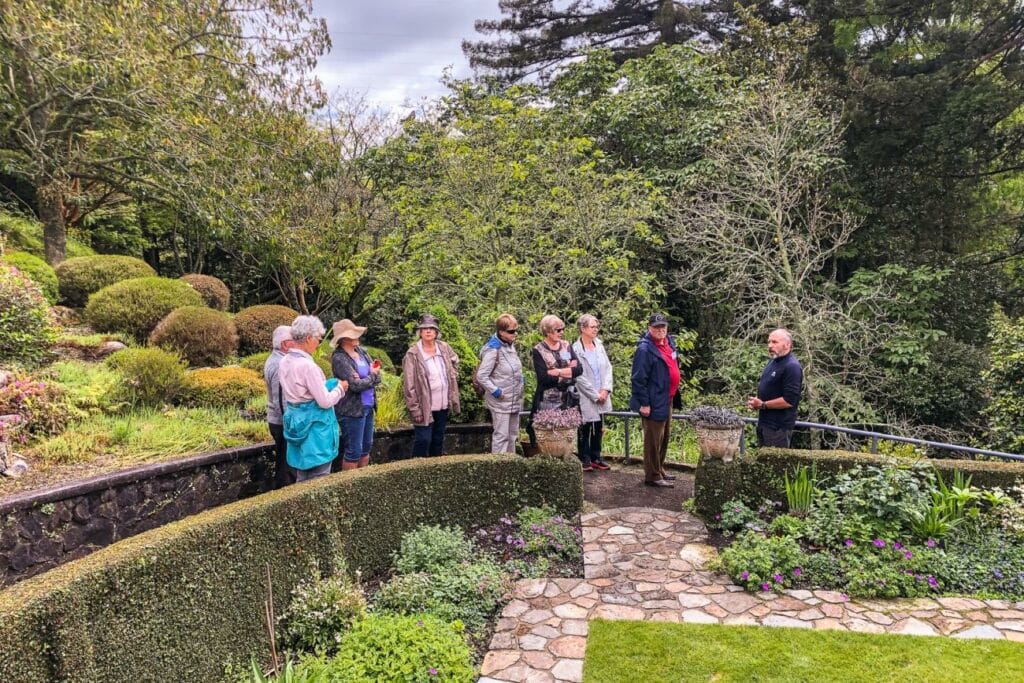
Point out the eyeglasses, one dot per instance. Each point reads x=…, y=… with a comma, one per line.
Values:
x=513, y=331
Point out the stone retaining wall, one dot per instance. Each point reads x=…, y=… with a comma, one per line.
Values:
x=42, y=529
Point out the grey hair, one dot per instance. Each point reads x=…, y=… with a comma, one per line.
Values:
x=585, y=320
x=282, y=334
x=306, y=326
x=785, y=334
x=549, y=323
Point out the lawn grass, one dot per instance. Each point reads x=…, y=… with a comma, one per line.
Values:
x=620, y=651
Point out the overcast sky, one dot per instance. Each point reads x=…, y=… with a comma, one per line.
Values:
x=395, y=51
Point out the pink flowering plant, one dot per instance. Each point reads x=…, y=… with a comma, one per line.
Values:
x=40, y=405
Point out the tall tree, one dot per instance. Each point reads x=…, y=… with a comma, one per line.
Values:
x=121, y=93
x=546, y=34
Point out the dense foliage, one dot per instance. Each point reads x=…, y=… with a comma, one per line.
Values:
x=148, y=377
x=228, y=387
x=38, y=270
x=25, y=329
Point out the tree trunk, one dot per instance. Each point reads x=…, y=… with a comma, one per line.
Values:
x=50, y=198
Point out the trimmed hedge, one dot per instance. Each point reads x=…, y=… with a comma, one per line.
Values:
x=136, y=306
x=758, y=474
x=181, y=601
x=82, y=276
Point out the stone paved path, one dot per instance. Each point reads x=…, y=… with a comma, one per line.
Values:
x=646, y=564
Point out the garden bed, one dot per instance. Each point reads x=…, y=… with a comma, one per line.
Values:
x=879, y=528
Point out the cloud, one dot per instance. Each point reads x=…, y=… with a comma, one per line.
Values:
x=395, y=51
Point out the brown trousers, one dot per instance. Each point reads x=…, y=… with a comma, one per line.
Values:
x=655, y=446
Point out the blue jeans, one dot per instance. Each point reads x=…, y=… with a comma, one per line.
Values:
x=312, y=473
x=429, y=439
x=357, y=435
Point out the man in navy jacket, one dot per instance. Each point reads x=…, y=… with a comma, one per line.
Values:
x=778, y=392
x=655, y=389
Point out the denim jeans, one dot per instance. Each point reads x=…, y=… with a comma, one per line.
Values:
x=357, y=435
x=429, y=439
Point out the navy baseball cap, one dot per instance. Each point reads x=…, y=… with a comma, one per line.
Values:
x=657, y=320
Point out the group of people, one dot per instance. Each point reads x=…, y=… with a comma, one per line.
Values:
x=316, y=421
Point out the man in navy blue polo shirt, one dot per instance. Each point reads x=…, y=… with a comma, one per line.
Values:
x=778, y=392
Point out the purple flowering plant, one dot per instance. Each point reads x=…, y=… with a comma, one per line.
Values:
x=556, y=418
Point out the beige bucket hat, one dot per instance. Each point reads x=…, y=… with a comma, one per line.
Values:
x=345, y=329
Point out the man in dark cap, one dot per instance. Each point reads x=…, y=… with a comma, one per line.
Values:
x=655, y=390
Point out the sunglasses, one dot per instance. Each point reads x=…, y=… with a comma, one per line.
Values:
x=512, y=331
x=559, y=329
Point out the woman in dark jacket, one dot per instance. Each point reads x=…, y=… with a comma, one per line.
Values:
x=557, y=368
x=355, y=412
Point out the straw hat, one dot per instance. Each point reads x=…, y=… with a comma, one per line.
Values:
x=346, y=329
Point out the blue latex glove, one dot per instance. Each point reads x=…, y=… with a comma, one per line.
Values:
x=496, y=393
x=331, y=384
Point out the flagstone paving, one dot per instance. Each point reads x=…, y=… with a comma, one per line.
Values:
x=647, y=564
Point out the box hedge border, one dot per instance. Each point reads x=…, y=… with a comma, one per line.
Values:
x=758, y=474
x=182, y=601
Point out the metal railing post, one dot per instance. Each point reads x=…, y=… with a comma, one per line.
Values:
x=874, y=444
x=626, y=421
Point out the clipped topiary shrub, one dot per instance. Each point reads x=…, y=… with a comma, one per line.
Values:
x=147, y=377
x=182, y=601
x=202, y=335
x=228, y=387
x=25, y=329
x=213, y=290
x=82, y=276
x=418, y=648
x=37, y=270
x=254, y=361
x=136, y=306
x=256, y=326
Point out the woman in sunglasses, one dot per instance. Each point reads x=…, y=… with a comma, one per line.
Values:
x=501, y=375
x=557, y=368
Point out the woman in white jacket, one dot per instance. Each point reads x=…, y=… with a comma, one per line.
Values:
x=595, y=389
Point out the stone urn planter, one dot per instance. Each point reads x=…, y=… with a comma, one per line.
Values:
x=719, y=431
x=555, y=442
x=556, y=431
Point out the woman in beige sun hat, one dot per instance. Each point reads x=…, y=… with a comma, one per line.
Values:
x=355, y=412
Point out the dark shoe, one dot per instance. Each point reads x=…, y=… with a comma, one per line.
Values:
x=668, y=477
x=601, y=465
x=660, y=483
x=587, y=467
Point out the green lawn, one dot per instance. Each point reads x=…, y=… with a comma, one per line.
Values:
x=620, y=651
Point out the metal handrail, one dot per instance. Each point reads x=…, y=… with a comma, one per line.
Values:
x=627, y=416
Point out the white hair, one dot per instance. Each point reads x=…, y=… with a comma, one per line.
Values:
x=585, y=320
x=282, y=334
x=306, y=326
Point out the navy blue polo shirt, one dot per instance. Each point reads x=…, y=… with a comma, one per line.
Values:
x=782, y=377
